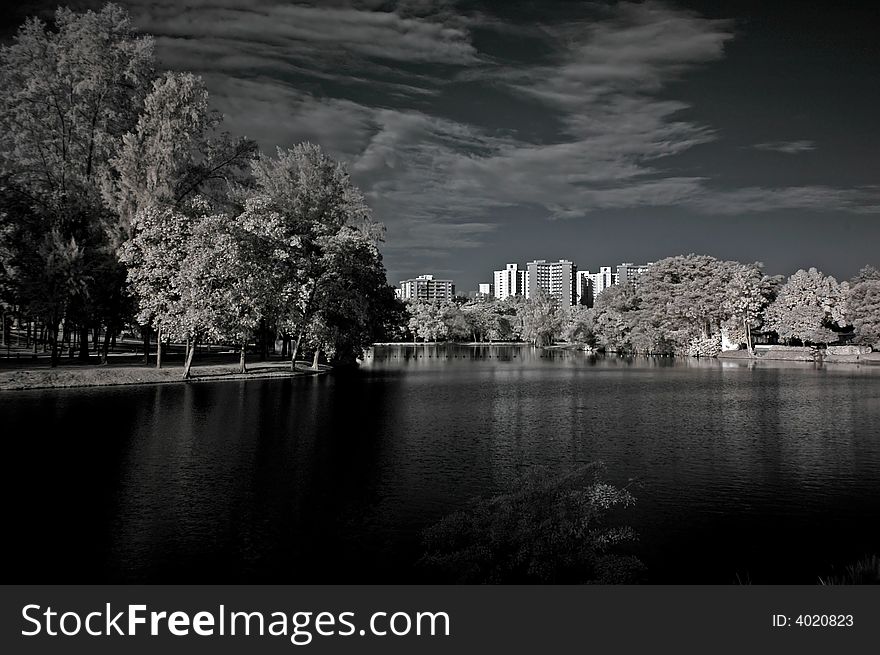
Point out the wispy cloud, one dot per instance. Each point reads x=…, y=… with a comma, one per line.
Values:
x=787, y=147
x=410, y=97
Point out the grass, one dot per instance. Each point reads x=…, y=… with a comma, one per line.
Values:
x=67, y=376
x=864, y=571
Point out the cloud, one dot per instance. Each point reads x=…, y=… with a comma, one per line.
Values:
x=408, y=95
x=787, y=147
x=321, y=34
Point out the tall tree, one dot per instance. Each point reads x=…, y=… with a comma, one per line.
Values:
x=616, y=314
x=311, y=199
x=352, y=305
x=748, y=294
x=684, y=295
x=863, y=305
x=154, y=255
x=69, y=93
x=541, y=318
x=175, y=151
x=809, y=304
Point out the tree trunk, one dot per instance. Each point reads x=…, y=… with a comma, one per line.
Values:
x=159, y=348
x=145, y=332
x=749, y=339
x=84, y=344
x=190, y=351
x=242, y=365
x=317, y=357
x=264, y=340
x=105, y=349
x=53, y=338
x=285, y=344
x=295, y=352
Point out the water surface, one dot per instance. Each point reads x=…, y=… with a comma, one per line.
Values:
x=762, y=472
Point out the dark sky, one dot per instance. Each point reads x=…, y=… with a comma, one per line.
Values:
x=490, y=132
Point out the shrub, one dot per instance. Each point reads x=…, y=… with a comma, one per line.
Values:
x=544, y=528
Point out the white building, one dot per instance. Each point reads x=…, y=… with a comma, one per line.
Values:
x=509, y=282
x=425, y=287
x=601, y=280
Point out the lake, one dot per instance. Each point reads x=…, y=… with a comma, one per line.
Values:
x=742, y=472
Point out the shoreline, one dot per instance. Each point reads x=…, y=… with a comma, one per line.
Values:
x=85, y=376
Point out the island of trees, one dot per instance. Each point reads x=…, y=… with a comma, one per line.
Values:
x=123, y=202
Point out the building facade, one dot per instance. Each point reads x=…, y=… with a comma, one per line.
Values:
x=557, y=279
x=630, y=274
x=509, y=282
x=425, y=287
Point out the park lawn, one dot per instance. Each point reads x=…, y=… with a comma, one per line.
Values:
x=99, y=376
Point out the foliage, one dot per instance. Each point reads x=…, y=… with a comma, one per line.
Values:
x=355, y=302
x=541, y=319
x=748, y=294
x=69, y=93
x=807, y=307
x=685, y=296
x=545, y=528
x=579, y=326
x=863, y=305
x=154, y=256
x=309, y=207
x=616, y=316
x=174, y=152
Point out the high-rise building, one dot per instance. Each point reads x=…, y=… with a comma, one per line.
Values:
x=425, y=287
x=601, y=280
x=509, y=282
x=485, y=289
x=630, y=274
x=554, y=278
x=584, y=289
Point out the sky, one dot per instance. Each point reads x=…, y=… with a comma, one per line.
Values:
x=483, y=133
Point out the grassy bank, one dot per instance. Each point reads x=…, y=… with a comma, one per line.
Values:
x=99, y=376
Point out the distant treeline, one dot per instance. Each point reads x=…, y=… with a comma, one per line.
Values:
x=682, y=305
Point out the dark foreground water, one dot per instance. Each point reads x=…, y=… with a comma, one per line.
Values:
x=769, y=474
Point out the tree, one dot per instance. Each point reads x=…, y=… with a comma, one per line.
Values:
x=541, y=318
x=310, y=198
x=455, y=321
x=748, y=294
x=175, y=152
x=224, y=290
x=616, y=314
x=580, y=326
x=807, y=307
x=154, y=255
x=353, y=305
x=863, y=305
x=684, y=296
x=70, y=92
x=426, y=320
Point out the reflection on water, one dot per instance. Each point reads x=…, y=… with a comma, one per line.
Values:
x=750, y=469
